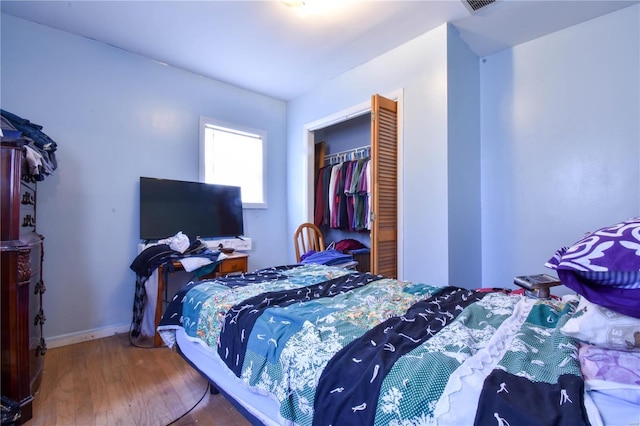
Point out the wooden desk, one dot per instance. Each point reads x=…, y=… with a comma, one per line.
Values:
x=234, y=263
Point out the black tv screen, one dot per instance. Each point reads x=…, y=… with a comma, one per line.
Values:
x=197, y=209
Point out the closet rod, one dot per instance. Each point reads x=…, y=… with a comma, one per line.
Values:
x=350, y=154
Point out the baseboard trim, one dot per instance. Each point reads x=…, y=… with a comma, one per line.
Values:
x=84, y=336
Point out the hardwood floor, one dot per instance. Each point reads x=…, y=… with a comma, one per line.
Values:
x=109, y=382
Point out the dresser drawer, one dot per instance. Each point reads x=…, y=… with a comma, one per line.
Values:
x=233, y=264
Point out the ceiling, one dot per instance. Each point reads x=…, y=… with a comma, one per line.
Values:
x=269, y=48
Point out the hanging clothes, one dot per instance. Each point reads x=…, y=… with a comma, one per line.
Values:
x=359, y=211
x=343, y=195
x=342, y=221
x=333, y=201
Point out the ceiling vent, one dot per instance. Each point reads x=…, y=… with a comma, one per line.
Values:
x=473, y=6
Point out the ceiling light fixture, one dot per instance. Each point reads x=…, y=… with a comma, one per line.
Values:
x=304, y=8
x=299, y=6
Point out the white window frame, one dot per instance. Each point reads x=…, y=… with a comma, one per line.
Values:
x=206, y=122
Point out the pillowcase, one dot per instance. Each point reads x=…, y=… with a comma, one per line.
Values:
x=604, y=267
x=603, y=328
x=613, y=366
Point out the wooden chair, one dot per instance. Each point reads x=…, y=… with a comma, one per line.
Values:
x=307, y=237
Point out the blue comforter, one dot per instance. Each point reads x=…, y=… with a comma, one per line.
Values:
x=334, y=347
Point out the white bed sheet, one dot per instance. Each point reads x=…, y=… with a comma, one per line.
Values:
x=207, y=361
x=618, y=404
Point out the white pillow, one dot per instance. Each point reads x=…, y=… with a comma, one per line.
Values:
x=602, y=327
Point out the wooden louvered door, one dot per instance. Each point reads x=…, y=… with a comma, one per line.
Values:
x=384, y=177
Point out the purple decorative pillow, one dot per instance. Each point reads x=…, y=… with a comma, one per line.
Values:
x=604, y=267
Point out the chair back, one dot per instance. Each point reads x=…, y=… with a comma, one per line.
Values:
x=306, y=238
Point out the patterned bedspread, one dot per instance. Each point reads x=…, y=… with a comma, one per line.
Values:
x=336, y=347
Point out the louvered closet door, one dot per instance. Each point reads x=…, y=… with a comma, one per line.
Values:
x=384, y=175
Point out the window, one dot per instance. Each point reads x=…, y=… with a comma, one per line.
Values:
x=234, y=155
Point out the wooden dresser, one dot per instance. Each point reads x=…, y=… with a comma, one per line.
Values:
x=23, y=345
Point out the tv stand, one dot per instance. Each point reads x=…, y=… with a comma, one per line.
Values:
x=234, y=263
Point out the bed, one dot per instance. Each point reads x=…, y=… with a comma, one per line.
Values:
x=320, y=345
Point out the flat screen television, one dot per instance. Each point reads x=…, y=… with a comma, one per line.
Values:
x=197, y=209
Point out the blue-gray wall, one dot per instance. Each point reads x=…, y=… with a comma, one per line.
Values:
x=117, y=116
x=464, y=208
x=540, y=143
x=419, y=69
x=560, y=141
x=558, y=153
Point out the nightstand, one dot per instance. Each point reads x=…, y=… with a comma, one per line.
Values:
x=233, y=264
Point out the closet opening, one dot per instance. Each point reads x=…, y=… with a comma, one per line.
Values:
x=344, y=146
x=342, y=184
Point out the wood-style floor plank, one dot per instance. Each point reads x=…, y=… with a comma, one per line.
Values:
x=110, y=382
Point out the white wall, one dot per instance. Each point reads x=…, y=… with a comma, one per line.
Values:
x=117, y=116
x=560, y=142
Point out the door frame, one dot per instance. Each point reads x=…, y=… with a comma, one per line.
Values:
x=308, y=141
